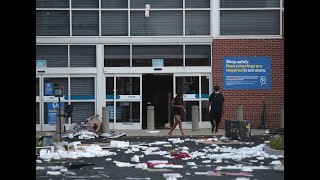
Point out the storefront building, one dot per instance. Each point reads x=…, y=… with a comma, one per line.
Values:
x=128, y=54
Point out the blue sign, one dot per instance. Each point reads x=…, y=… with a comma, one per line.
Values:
x=246, y=73
x=157, y=62
x=41, y=63
x=48, y=89
x=52, y=111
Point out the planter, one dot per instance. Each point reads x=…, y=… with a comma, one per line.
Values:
x=271, y=151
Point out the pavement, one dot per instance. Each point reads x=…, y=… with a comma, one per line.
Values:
x=164, y=132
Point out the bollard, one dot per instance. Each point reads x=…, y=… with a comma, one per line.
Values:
x=195, y=118
x=239, y=113
x=105, y=119
x=282, y=116
x=150, y=117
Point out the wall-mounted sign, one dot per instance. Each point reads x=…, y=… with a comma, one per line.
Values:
x=246, y=73
x=52, y=112
x=41, y=63
x=157, y=63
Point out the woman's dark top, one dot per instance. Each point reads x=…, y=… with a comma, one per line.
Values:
x=177, y=110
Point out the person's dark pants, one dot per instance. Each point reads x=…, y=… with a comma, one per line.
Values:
x=215, y=117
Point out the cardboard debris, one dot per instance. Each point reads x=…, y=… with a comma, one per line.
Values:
x=113, y=134
x=54, y=173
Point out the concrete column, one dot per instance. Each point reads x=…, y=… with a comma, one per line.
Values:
x=195, y=118
x=105, y=119
x=282, y=116
x=150, y=117
x=100, y=81
x=239, y=112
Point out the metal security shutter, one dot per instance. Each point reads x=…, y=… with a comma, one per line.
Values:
x=85, y=4
x=156, y=3
x=52, y=23
x=37, y=113
x=159, y=23
x=82, y=88
x=56, y=55
x=249, y=4
x=114, y=3
x=114, y=23
x=116, y=56
x=82, y=56
x=46, y=113
x=37, y=87
x=85, y=23
x=198, y=55
x=198, y=3
x=52, y=3
x=63, y=82
x=266, y=22
x=197, y=23
x=81, y=111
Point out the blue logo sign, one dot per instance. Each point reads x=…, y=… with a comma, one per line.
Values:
x=157, y=62
x=41, y=63
x=246, y=73
x=48, y=89
x=52, y=111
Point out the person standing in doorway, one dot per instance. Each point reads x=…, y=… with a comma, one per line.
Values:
x=178, y=110
x=216, y=100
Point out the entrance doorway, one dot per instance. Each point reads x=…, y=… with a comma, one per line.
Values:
x=157, y=90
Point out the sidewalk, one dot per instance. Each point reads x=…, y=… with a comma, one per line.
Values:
x=164, y=132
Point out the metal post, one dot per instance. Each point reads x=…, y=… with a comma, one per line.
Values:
x=105, y=119
x=59, y=114
x=195, y=118
x=282, y=116
x=239, y=113
x=150, y=117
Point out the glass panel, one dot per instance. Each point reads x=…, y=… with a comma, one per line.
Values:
x=265, y=22
x=197, y=4
x=82, y=88
x=85, y=23
x=56, y=55
x=82, y=56
x=188, y=85
x=52, y=3
x=205, y=86
x=128, y=86
x=197, y=23
x=171, y=54
x=128, y=112
x=52, y=118
x=114, y=4
x=111, y=111
x=114, y=23
x=52, y=23
x=37, y=113
x=117, y=56
x=205, y=110
x=81, y=111
x=198, y=55
x=159, y=23
x=85, y=4
x=37, y=86
x=249, y=4
x=156, y=3
x=188, y=106
x=63, y=82
x=109, y=87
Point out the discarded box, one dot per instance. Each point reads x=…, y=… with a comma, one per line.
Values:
x=237, y=129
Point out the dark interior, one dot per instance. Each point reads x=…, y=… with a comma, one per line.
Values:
x=156, y=89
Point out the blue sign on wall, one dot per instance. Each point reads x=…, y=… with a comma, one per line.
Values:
x=246, y=73
x=41, y=63
x=157, y=63
x=52, y=111
x=48, y=89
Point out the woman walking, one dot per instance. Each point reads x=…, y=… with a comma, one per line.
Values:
x=178, y=109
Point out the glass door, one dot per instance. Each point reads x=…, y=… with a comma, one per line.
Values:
x=38, y=102
x=195, y=90
x=124, y=99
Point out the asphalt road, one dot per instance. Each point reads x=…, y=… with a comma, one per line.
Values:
x=111, y=171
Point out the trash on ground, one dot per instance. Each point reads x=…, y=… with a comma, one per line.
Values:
x=278, y=168
x=54, y=173
x=113, y=134
x=179, y=155
x=78, y=165
x=275, y=163
x=172, y=175
x=149, y=131
x=40, y=168
x=98, y=168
